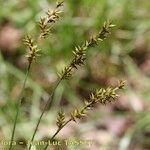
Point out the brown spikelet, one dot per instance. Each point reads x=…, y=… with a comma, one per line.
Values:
x=51, y=17
x=102, y=96
x=33, y=52
x=60, y=119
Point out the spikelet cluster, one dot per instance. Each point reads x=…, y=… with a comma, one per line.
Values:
x=51, y=17
x=80, y=51
x=78, y=113
x=60, y=119
x=44, y=24
x=33, y=50
x=102, y=96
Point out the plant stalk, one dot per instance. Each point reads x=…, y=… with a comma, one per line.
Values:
x=19, y=102
x=48, y=103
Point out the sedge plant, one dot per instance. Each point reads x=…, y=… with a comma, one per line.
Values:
x=79, y=56
x=102, y=96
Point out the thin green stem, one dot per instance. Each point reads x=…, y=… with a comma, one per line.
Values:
x=19, y=102
x=48, y=103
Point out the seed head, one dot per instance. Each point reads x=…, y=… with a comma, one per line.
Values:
x=51, y=17
x=80, y=51
x=33, y=52
x=60, y=119
x=102, y=96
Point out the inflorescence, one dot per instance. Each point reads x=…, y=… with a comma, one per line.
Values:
x=80, y=51
x=102, y=96
x=45, y=25
x=51, y=17
x=33, y=50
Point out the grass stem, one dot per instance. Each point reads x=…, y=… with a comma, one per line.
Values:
x=19, y=102
x=48, y=103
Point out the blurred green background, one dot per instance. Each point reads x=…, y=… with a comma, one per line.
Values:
x=123, y=125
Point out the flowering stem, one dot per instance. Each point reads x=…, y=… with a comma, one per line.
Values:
x=48, y=103
x=19, y=102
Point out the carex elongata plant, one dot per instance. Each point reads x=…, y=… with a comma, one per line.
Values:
x=78, y=60
x=45, y=24
x=102, y=96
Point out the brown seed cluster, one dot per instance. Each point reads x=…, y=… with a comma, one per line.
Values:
x=33, y=50
x=80, y=51
x=102, y=96
x=60, y=119
x=51, y=17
